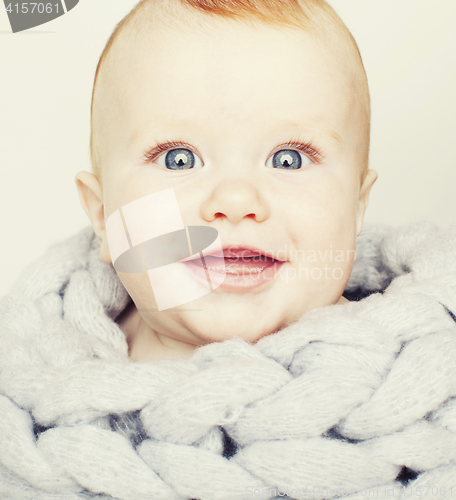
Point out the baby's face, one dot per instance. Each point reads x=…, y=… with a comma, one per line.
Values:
x=236, y=96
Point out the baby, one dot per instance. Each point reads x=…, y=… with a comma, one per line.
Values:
x=256, y=114
x=230, y=143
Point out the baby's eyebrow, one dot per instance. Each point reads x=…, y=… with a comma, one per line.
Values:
x=334, y=135
x=311, y=127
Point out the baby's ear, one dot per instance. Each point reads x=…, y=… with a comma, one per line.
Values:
x=363, y=200
x=91, y=197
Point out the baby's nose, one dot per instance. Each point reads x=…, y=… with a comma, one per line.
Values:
x=236, y=199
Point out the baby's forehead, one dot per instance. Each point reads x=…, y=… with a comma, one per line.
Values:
x=145, y=40
x=144, y=27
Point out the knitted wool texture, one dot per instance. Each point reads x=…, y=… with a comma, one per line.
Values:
x=350, y=399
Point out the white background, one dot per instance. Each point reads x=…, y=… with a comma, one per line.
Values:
x=46, y=77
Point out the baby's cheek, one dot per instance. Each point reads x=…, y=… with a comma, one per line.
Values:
x=139, y=288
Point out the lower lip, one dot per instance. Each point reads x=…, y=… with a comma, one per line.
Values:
x=241, y=281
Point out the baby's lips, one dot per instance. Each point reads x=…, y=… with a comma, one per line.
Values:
x=232, y=252
x=208, y=252
x=215, y=249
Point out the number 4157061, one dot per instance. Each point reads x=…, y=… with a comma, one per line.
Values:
x=25, y=9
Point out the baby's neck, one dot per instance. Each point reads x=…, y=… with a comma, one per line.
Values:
x=146, y=344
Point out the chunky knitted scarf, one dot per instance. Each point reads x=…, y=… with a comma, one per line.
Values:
x=353, y=400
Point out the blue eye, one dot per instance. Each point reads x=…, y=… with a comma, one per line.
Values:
x=289, y=159
x=180, y=159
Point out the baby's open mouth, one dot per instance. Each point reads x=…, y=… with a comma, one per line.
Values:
x=236, y=269
x=236, y=261
x=238, y=265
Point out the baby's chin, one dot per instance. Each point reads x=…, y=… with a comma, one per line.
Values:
x=234, y=319
x=241, y=319
x=224, y=328
x=222, y=315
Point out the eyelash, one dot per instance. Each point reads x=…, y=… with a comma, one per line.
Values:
x=305, y=147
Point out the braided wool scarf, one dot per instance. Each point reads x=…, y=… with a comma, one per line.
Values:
x=354, y=400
